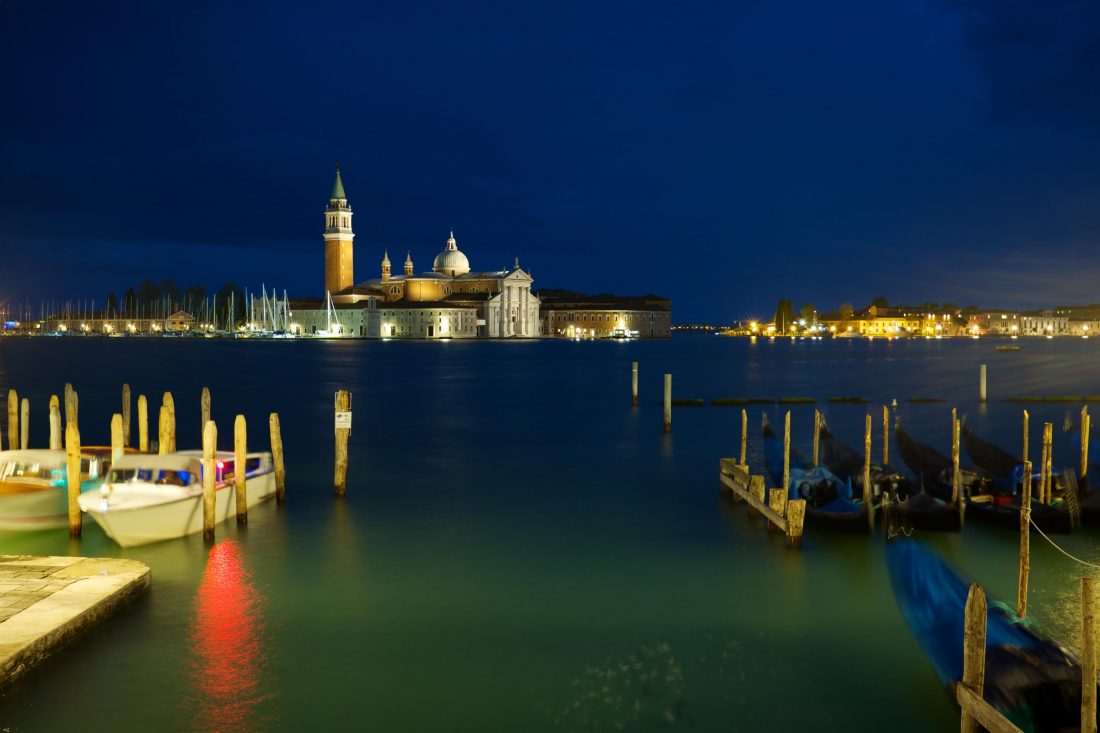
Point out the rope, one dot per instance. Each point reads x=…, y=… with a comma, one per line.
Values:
x=1059, y=549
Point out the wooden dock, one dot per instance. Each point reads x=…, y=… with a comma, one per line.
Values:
x=47, y=601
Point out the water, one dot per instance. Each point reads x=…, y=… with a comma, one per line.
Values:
x=520, y=549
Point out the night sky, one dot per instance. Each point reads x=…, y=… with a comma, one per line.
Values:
x=722, y=154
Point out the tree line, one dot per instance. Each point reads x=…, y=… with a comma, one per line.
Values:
x=153, y=299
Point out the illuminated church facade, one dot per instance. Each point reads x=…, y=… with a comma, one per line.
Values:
x=449, y=301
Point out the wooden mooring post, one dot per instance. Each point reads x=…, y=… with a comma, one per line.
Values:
x=72, y=476
x=209, y=479
x=1085, y=425
x=277, y=457
x=885, y=435
x=981, y=383
x=752, y=490
x=170, y=422
x=70, y=403
x=143, y=424
x=204, y=406
x=745, y=438
x=162, y=431
x=956, y=489
x=786, y=456
x=1048, y=444
x=126, y=415
x=634, y=384
x=976, y=712
x=55, y=423
x=24, y=423
x=1026, y=419
x=116, y=437
x=867, y=497
x=817, y=437
x=1088, y=655
x=240, y=458
x=343, y=430
x=668, y=403
x=13, y=420
x=1025, y=542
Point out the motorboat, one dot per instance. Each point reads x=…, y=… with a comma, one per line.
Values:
x=150, y=498
x=34, y=491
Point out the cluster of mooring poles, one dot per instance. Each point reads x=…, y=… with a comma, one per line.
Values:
x=19, y=421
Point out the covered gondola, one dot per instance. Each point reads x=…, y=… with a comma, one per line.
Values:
x=829, y=501
x=1031, y=680
x=919, y=509
x=987, y=499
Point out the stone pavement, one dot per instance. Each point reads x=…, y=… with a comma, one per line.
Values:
x=46, y=601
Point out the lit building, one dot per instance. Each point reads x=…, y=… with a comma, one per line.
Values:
x=575, y=315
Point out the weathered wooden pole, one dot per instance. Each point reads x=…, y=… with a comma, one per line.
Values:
x=786, y=487
x=143, y=424
x=1026, y=418
x=70, y=406
x=817, y=436
x=634, y=384
x=343, y=408
x=126, y=415
x=796, y=520
x=981, y=383
x=277, y=457
x=55, y=423
x=72, y=476
x=668, y=403
x=240, y=458
x=867, y=497
x=209, y=479
x=24, y=422
x=1088, y=655
x=973, y=651
x=885, y=435
x=170, y=422
x=744, y=437
x=1050, y=462
x=205, y=405
x=1025, y=542
x=162, y=431
x=116, y=437
x=13, y=420
x=956, y=489
x=1048, y=433
x=1085, y=425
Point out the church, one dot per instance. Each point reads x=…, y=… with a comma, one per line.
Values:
x=450, y=301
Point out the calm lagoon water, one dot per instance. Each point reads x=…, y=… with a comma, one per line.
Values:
x=520, y=549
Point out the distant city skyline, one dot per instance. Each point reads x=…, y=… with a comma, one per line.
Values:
x=720, y=156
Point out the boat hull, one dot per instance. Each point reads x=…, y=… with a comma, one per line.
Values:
x=130, y=527
x=46, y=508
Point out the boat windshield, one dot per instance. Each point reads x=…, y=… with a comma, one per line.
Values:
x=164, y=477
x=31, y=470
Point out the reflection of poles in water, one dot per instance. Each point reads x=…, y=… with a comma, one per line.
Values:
x=227, y=646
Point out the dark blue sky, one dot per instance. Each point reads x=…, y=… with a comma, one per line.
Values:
x=723, y=154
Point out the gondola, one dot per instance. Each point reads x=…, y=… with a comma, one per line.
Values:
x=829, y=501
x=919, y=509
x=999, y=463
x=987, y=499
x=1089, y=484
x=1032, y=681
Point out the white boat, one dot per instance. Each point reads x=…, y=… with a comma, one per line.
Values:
x=34, y=489
x=147, y=498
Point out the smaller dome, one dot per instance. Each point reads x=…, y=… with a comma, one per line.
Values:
x=451, y=261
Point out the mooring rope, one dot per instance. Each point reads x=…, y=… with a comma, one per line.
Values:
x=1059, y=549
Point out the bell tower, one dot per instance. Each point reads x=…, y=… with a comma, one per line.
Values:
x=338, y=239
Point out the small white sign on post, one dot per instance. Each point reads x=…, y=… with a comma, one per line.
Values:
x=343, y=420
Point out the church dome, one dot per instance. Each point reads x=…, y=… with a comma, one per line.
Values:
x=451, y=261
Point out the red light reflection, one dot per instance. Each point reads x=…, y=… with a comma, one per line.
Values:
x=227, y=647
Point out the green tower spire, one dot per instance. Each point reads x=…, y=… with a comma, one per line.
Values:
x=338, y=186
